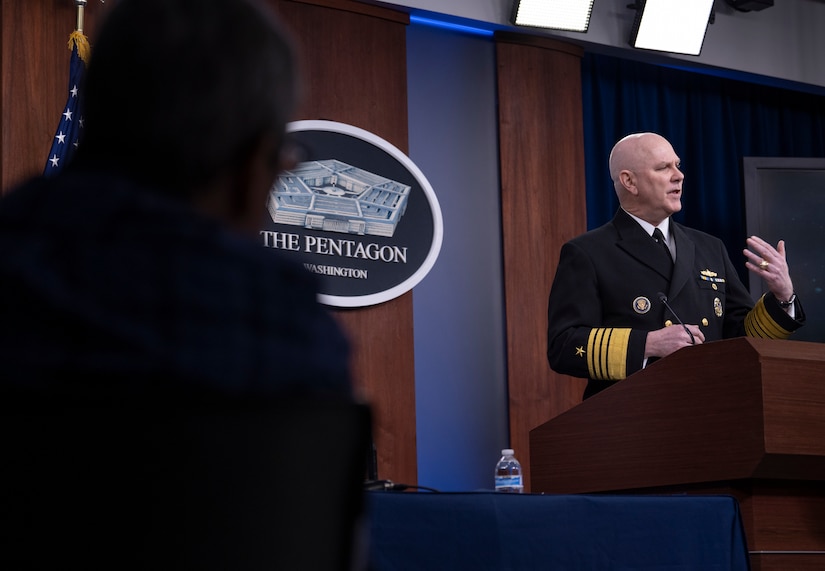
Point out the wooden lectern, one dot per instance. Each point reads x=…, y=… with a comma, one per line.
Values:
x=744, y=417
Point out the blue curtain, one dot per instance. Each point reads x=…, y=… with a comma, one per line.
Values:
x=711, y=121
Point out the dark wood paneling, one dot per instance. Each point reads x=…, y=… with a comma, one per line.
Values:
x=787, y=561
x=35, y=76
x=543, y=206
x=359, y=8
x=787, y=515
x=354, y=65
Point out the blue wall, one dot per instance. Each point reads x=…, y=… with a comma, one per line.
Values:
x=460, y=368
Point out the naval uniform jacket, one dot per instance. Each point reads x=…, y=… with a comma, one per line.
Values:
x=605, y=299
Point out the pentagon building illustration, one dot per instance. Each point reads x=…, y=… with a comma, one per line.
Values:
x=333, y=196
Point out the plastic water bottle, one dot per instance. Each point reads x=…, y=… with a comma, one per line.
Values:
x=508, y=473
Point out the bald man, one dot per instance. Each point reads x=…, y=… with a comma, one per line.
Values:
x=605, y=316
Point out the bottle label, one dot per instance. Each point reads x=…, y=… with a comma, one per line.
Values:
x=508, y=482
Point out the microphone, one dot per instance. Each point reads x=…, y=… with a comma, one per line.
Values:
x=663, y=299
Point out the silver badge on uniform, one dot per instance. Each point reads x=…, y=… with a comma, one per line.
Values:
x=641, y=304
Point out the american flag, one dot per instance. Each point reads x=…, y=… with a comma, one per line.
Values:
x=71, y=122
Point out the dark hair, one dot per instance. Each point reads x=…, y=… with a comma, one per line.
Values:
x=179, y=91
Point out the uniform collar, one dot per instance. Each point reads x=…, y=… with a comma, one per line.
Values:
x=648, y=227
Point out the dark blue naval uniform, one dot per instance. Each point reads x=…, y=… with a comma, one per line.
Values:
x=604, y=299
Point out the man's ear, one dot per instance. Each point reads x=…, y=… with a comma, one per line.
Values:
x=628, y=181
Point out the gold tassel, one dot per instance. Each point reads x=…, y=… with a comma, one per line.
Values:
x=78, y=39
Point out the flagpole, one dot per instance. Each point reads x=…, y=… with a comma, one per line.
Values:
x=81, y=4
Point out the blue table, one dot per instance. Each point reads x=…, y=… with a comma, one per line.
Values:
x=480, y=531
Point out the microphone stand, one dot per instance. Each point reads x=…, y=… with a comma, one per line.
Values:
x=663, y=299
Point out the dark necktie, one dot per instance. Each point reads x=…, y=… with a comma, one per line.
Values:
x=660, y=239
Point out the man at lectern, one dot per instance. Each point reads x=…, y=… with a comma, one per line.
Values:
x=619, y=288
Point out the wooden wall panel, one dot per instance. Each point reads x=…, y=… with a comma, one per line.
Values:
x=354, y=63
x=34, y=72
x=543, y=205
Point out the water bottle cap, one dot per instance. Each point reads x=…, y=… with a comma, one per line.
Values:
x=507, y=452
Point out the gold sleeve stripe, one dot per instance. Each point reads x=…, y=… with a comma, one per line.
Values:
x=758, y=323
x=596, y=364
x=607, y=353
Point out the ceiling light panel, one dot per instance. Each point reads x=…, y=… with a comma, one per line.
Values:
x=571, y=15
x=676, y=26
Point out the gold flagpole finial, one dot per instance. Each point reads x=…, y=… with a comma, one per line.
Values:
x=77, y=39
x=81, y=4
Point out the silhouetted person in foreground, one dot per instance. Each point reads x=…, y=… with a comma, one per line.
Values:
x=138, y=261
